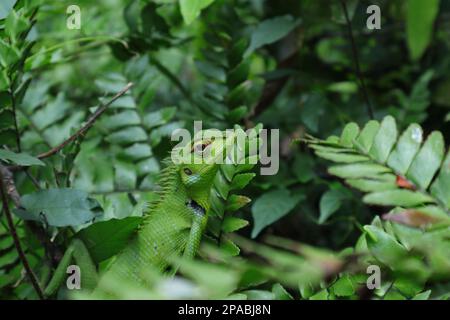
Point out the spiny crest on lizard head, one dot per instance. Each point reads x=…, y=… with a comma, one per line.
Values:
x=198, y=165
x=198, y=160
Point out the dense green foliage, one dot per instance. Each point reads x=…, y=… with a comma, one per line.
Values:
x=364, y=174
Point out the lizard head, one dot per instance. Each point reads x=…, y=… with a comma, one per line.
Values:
x=206, y=152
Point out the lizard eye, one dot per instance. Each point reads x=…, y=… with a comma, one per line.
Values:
x=187, y=171
x=199, y=148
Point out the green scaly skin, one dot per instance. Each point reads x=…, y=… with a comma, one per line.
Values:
x=173, y=226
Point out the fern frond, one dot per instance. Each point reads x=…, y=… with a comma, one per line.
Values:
x=394, y=170
x=225, y=201
x=226, y=94
x=125, y=172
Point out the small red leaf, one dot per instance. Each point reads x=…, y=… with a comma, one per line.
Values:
x=404, y=183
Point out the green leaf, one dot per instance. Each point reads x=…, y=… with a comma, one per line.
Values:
x=280, y=293
x=122, y=119
x=407, y=286
x=342, y=157
x=421, y=15
x=211, y=70
x=138, y=151
x=370, y=185
x=348, y=87
x=343, y=287
x=384, y=246
x=270, y=31
x=5, y=8
x=125, y=175
x=384, y=139
x=337, y=12
x=313, y=110
x=423, y=295
x=231, y=224
x=235, y=202
x=221, y=185
x=303, y=168
x=404, y=198
x=357, y=170
x=8, y=54
x=272, y=206
x=441, y=186
x=127, y=136
x=237, y=114
x=15, y=24
x=152, y=21
x=306, y=290
x=398, y=172
x=58, y=207
x=259, y=295
x=349, y=133
x=190, y=9
x=22, y=159
x=106, y=238
x=241, y=180
x=419, y=98
x=130, y=12
x=406, y=149
x=229, y=247
x=367, y=136
x=238, y=75
x=321, y=295
x=394, y=295
x=427, y=161
x=330, y=202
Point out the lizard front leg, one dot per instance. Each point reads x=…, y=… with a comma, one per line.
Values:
x=77, y=252
x=195, y=235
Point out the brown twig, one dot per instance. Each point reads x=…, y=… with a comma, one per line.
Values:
x=87, y=125
x=272, y=88
x=10, y=187
x=12, y=229
x=53, y=250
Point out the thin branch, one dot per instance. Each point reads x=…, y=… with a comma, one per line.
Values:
x=89, y=123
x=32, y=179
x=52, y=248
x=272, y=88
x=8, y=183
x=16, y=240
x=362, y=83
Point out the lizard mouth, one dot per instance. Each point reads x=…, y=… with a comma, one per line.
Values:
x=194, y=206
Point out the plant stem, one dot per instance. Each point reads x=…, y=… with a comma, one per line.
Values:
x=362, y=83
x=89, y=123
x=16, y=240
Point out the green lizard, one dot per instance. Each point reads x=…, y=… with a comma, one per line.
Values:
x=174, y=224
